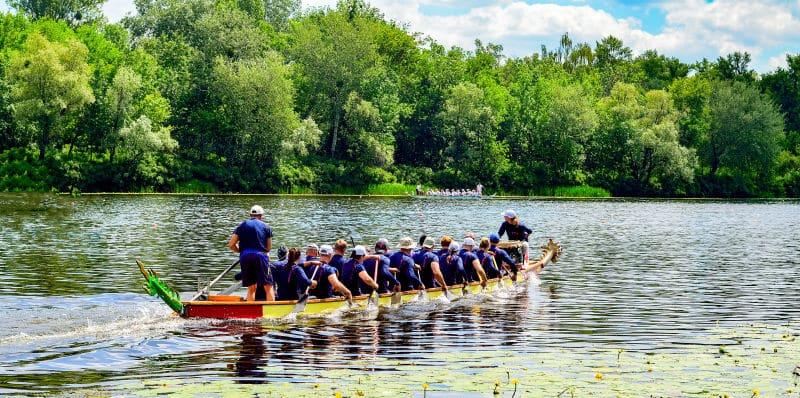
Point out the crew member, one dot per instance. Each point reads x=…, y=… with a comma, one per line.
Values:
x=451, y=266
x=327, y=282
x=338, y=260
x=354, y=273
x=428, y=264
x=386, y=280
x=252, y=239
x=402, y=261
x=472, y=266
x=501, y=257
x=292, y=281
x=516, y=230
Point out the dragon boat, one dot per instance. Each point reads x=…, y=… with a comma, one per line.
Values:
x=225, y=306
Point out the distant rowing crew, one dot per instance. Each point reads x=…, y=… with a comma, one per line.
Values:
x=324, y=271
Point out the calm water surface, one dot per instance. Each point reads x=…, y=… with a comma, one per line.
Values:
x=643, y=276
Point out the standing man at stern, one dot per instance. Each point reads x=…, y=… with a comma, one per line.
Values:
x=252, y=239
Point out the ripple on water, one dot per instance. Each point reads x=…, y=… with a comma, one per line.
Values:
x=663, y=280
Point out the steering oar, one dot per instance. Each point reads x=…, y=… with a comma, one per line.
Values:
x=212, y=283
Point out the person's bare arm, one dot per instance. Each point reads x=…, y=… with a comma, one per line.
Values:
x=269, y=244
x=481, y=273
x=339, y=286
x=233, y=243
x=437, y=274
x=367, y=279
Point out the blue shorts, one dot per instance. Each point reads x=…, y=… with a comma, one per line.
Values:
x=255, y=269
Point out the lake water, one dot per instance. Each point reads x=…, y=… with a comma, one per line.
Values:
x=670, y=298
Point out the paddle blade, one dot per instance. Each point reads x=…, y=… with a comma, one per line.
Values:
x=373, y=299
x=301, y=304
x=397, y=299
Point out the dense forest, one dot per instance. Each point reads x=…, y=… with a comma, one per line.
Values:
x=262, y=96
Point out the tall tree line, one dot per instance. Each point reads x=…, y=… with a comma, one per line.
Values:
x=259, y=96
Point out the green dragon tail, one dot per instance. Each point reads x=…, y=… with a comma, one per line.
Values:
x=155, y=287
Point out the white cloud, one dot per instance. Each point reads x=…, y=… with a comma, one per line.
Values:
x=778, y=61
x=114, y=10
x=693, y=29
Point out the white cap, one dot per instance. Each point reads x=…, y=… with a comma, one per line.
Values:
x=454, y=247
x=256, y=210
x=510, y=213
x=325, y=250
x=468, y=242
x=359, y=251
x=384, y=241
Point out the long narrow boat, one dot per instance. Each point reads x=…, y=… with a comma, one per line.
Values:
x=234, y=307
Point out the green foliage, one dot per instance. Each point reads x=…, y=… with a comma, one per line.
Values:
x=73, y=11
x=393, y=188
x=49, y=83
x=473, y=153
x=257, y=96
x=745, y=133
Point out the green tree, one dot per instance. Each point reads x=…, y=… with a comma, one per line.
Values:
x=659, y=71
x=119, y=100
x=254, y=101
x=783, y=85
x=367, y=141
x=636, y=149
x=278, y=12
x=691, y=96
x=333, y=55
x=49, y=83
x=745, y=133
x=73, y=11
x=613, y=60
x=473, y=153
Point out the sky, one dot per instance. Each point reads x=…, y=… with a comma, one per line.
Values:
x=687, y=29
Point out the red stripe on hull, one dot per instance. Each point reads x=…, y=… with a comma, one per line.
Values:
x=224, y=311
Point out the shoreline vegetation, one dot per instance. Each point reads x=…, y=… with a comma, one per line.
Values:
x=204, y=96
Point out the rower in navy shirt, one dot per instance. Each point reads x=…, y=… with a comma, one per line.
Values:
x=338, y=260
x=327, y=281
x=354, y=274
x=452, y=267
x=501, y=256
x=487, y=259
x=404, y=264
x=386, y=281
x=429, y=265
x=472, y=265
x=291, y=278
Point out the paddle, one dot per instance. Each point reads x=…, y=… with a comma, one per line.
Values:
x=205, y=289
x=423, y=294
x=301, y=303
x=373, y=298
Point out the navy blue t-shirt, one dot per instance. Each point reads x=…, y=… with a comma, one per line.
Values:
x=337, y=262
x=501, y=256
x=406, y=273
x=386, y=281
x=324, y=288
x=424, y=260
x=515, y=232
x=292, y=281
x=489, y=266
x=467, y=257
x=349, y=276
x=452, y=270
x=253, y=234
